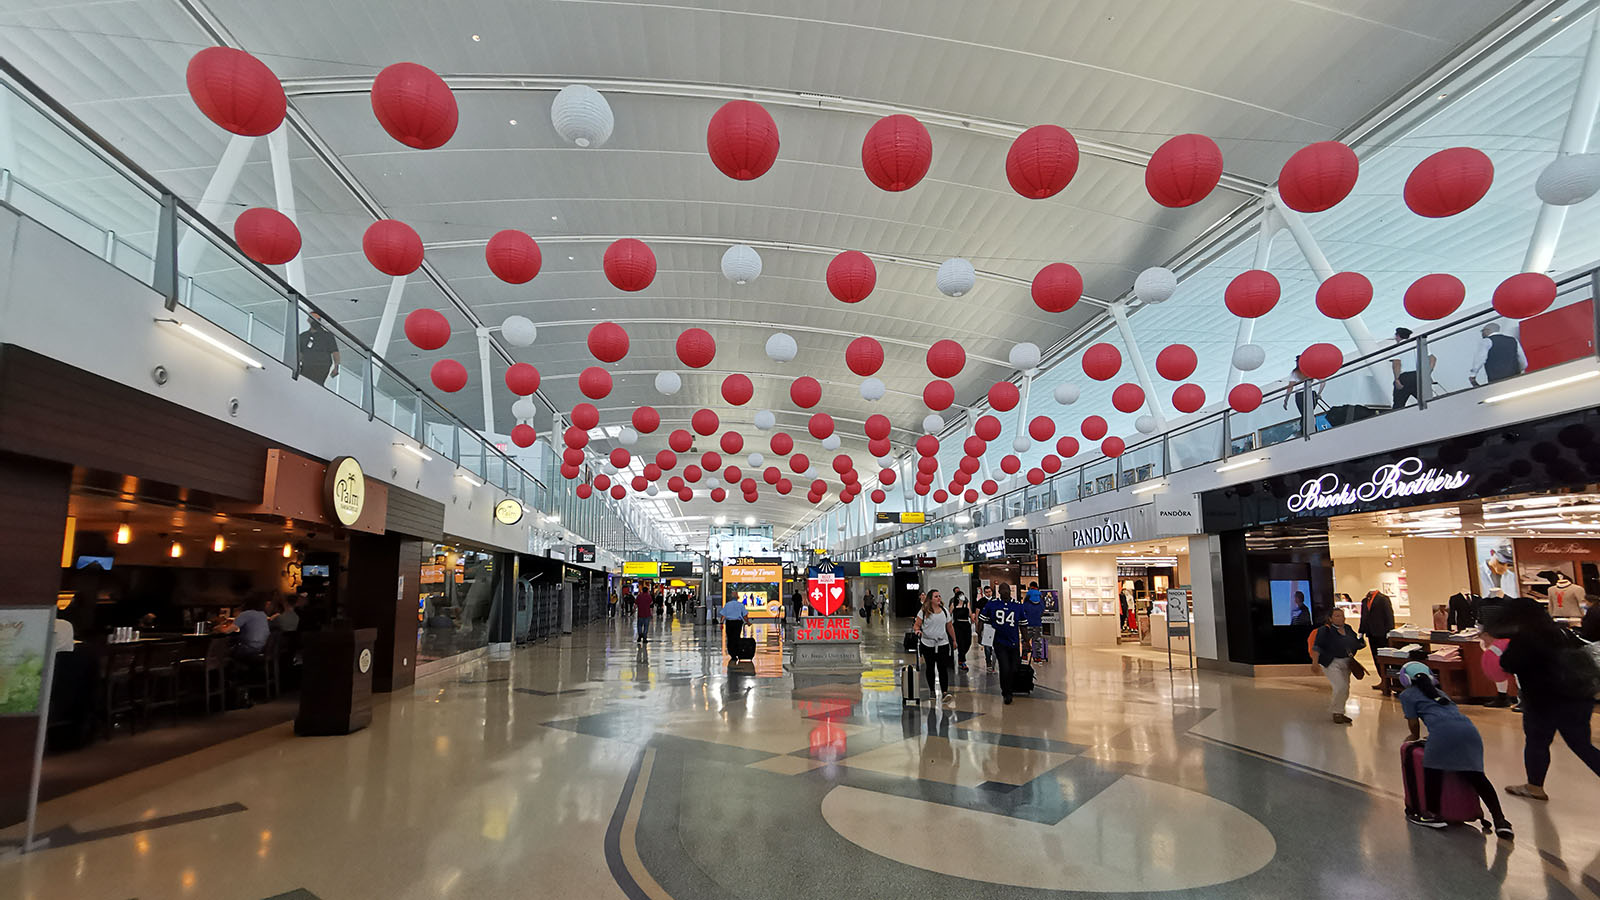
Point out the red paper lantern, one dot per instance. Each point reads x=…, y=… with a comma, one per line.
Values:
x=1102, y=361
x=742, y=140
x=820, y=426
x=1318, y=176
x=864, y=356
x=1320, y=360
x=1004, y=397
x=879, y=447
x=696, y=348
x=711, y=460
x=1051, y=463
x=681, y=440
x=732, y=442
x=1524, y=295
x=938, y=395
x=392, y=247
x=1244, y=398
x=851, y=276
x=448, y=375
x=575, y=437
x=928, y=465
x=608, y=342
x=1042, y=161
x=629, y=264
x=737, y=389
x=414, y=105
x=522, y=379
x=692, y=473
x=974, y=446
x=886, y=476
x=960, y=479
x=991, y=487
x=1113, y=446
x=585, y=491
x=267, y=236
x=1094, y=428
x=847, y=496
x=896, y=152
x=782, y=443
x=1010, y=464
x=512, y=256
x=1127, y=397
x=1036, y=476
x=1183, y=171
x=1067, y=446
x=1252, y=294
x=718, y=495
x=236, y=91
x=946, y=358
x=585, y=416
x=1188, y=398
x=1434, y=296
x=570, y=473
x=785, y=486
x=799, y=463
x=602, y=481
x=652, y=472
x=940, y=496
x=667, y=460
x=771, y=475
x=970, y=496
x=988, y=427
x=1176, y=362
x=878, y=496
x=1042, y=428
x=732, y=475
x=646, y=419
x=704, y=422
x=1344, y=294
x=1057, y=287
x=618, y=492
x=970, y=464
x=927, y=445
x=877, y=427
x=595, y=383
x=805, y=391
x=1449, y=182
x=685, y=494
x=523, y=435
x=620, y=457
x=427, y=328
x=842, y=464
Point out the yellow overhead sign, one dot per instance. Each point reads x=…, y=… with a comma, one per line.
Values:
x=641, y=569
x=877, y=568
x=913, y=518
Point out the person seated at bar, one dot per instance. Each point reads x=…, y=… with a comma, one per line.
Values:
x=251, y=629
x=285, y=617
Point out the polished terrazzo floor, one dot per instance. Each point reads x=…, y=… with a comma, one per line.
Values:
x=584, y=769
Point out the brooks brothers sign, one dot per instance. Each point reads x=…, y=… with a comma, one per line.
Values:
x=1408, y=478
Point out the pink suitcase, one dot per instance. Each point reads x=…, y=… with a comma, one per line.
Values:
x=1458, y=799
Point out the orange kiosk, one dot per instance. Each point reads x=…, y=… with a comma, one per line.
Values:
x=757, y=581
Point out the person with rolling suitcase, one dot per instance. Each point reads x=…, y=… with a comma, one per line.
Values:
x=1008, y=621
x=1448, y=766
x=733, y=615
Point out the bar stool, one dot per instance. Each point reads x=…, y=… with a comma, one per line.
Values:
x=211, y=670
x=159, y=680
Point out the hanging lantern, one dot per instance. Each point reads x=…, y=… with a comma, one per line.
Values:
x=646, y=420
x=970, y=464
x=1183, y=171
x=1434, y=296
x=927, y=445
x=781, y=348
x=1066, y=394
x=668, y=383
x=851, y=276
x=595, y=383
x=718, y=495
x=1057, y=287
x=584, y=491
x=799, y=463
x=1524, y=295
x=970, y=496
x=1113, y=446
x=448, y=375
x=522, y=379
x=940, y=496
x=1252, y=294
x=575, y=437
x=843, y=464
x=570, y=473
x=267, y=236
x=602, y=481
x=1449, y=182
x=711, y=461
x=991, y=487
x=1249, y=357
x=523, y=435
x=680, y=440
x=1024, y=356
x=1042, y=428
x=692, y=473
x=1176, y=362
x=585, y=416
x=742, y=140
x=737, y=389
x=1569, y=179
x=820, y=426
x=608, y=342
x=741, y=264
x=524, y=408
x=392, y=247
x=704, y=422
x=581, y=115
x=831, y=442
x=1188, y=398
x=512, y=256
x=696, y=348
x=620, y=457
x=987, y=427
x=877, y=427
x=236, y=91
x=938, y=395
x=627, y=436
x=1344, y=295
x=1004, y=396
x=1127, y=398
x=519, y=331
x=1067, y=446
x=896, y=152
x=1155, y=285
x=955, y=277
x=1320, y=360
x=1051, y=464
x=805, y=391
x=572, y=457
x=731, y=443
x=1145, y=424
x=629, y=264
x=946, y=358
x=886, y=476
x=1042, y=161
x=1102, y=361
x=1093, y=427
x=864, y=356
x=974, y=446
x=1036, y=475
x=764, y=419
x=427, y=328
x=1244, y=398
x=873, y=389
x=414, y=105
x=1318, y=176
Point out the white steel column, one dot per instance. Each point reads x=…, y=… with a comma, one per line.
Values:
x=488, y=388
x=1355, y=326
x=391, y=308
x=283, y=191
x=215, y=196
x=1269, y=229
x=1119, y=312
x=1574, y=139
x=8, y=137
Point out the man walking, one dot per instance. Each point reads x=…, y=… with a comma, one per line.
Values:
x=1407, y=381
x=1499, y=356
x=733, y=615
x=644, y=604
x=1009, y=620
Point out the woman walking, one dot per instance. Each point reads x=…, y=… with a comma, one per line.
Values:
x=1335, y=651
x=1555, y=688
x=1453, y=746
x=937, y=633
x=961, y=612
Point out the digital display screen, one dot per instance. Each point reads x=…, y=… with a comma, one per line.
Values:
x=1291, y=602
x=102, y=563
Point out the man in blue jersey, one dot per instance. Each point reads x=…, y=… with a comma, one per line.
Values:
x=1009, y=619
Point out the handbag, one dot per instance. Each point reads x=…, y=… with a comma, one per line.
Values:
x=911, y=642
x=1357, y=669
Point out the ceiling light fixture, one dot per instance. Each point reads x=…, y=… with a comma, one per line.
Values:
x=218, y=544
x=413, y=451
x=477, y=37
x=176, y=551
x=1147, y=488
x=469, y=479
x=288, y=550
x=1242, y=463
x=215, y=344
x=1559, y=382
x=124, y=533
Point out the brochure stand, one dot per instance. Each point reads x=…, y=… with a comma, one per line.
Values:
x=27, y=668
x=1178, y=624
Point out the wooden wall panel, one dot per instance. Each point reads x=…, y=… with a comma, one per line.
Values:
x=382, y=590
x=415, y=515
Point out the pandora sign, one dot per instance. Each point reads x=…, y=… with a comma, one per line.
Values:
x=1406, y=478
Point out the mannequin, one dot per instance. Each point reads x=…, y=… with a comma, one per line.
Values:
x=1567, y=599
x=1464, y=606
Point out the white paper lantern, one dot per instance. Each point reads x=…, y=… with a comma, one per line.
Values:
x=519, y=331
x=581, y=115
x=1569, y=179
x=765, y=419
x=781, y=347
x=668, y=382
x=831, y=442
x=956, y=277
x=1249, y=357
x=741, y=264
x=1025, y=356
x=652, y=490
x=885, y=462
x=524, y=408
x=713, y=483
x=1021, y=443
x=1066, y=394
x=932, y=423
x=755, y=460
x=873, y=389
x=1145, y=424
x=628, y=437
x=1155, y=285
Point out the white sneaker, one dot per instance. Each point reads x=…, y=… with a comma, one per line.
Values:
x=949, y=699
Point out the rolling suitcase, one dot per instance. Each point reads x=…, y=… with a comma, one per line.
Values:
x=908, y=686
x=742, y=648
x=1457, y=800
x=1023, y=682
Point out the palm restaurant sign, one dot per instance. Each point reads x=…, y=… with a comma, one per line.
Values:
x=1408, y=478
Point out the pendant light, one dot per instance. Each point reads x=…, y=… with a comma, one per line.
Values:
x=218, y=544
x=176, y=551
x=124, y=533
